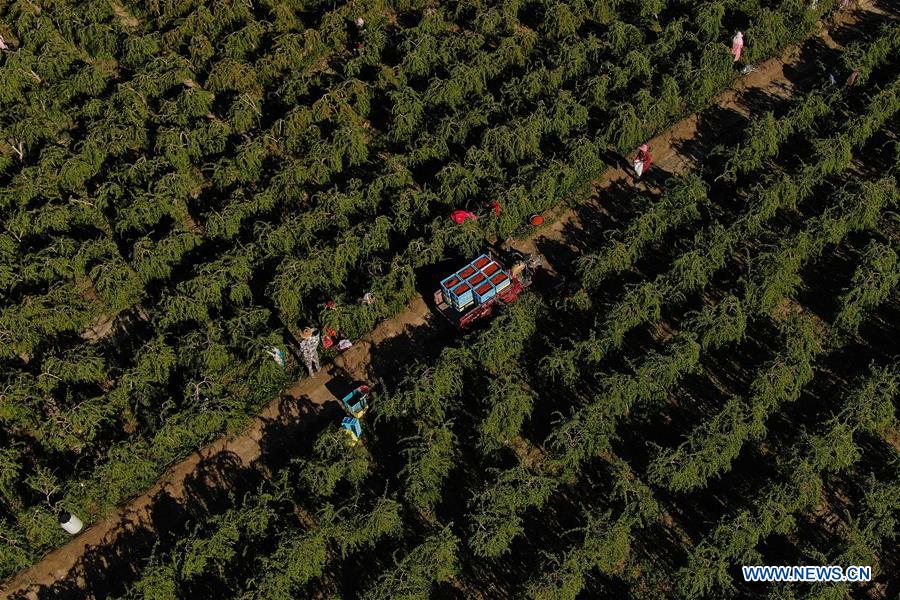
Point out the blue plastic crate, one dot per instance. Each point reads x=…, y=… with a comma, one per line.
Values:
x=450, y=282
x=481, y=262
x=356, y=402
x=353, y=426
x=485, y=291
x=460, y=299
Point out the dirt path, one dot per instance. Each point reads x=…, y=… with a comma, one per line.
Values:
x=127, y=19
x=85, y=566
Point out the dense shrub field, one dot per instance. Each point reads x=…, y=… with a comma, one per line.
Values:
x=187, y=183
x=720, y=389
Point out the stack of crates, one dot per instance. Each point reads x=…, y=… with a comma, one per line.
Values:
x=476, y=283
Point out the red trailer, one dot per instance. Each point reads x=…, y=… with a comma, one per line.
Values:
x=477, y=289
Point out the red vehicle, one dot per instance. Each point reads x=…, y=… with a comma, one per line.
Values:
x=475, y=291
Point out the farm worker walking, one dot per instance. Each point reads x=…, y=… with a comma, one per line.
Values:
x=309, y=349
x=356, y=33
x=460, y=216
x=737, y=45
x=277, y=355
x=643, y=160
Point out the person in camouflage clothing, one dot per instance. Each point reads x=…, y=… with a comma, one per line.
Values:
x=309, y=349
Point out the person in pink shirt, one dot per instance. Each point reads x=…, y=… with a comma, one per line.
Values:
x=643, y=160
x=737, y=45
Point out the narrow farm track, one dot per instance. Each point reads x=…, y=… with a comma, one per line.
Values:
x=111, y=545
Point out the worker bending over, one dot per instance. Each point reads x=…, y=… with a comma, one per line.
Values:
x=643, y=160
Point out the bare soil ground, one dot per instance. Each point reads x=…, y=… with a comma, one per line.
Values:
x=126, y=17
x=102, y=550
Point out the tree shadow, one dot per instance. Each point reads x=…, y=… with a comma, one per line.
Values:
x=826, y=279
x=888, y=6
x=611, y=207
x=866, y=23
x=715, y=126
x=758, y=101
x=390, y=357
x=294, y=430
x=209, y=487
x=105, y=570
x=815, y=59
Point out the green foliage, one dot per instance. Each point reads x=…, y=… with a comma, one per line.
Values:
x=679, y=206
x=157, y=583
x=873, y=282
x=432, y=561
x=496, y=510
x=429, y=459
x=332, y=463
x=606, y=546
x=778, y=273
x=216, y=552
x=709, y=449
x=720, y=324
x=181, y=186
x=297, y=559
x=510, y=401
x=352, y=532
x=430, y=391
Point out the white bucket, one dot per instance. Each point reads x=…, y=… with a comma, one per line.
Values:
x=639, y=167
x=70, y=523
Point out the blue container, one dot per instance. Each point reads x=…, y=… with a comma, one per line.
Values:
x=485, y=292
x=356, y=402
x=450, y=283
x=353, y=427
x=461, y=296
x=481, y=262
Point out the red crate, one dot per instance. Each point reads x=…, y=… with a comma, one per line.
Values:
x=467, y=272
x=501, y=281
x=491, y=269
